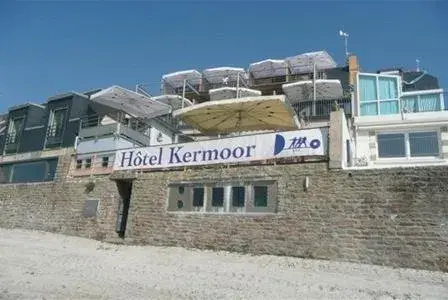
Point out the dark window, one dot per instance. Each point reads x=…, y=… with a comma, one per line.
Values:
x=180, y=204
x=260, y=196
x=88, y=163
x=57, y=122
x=79, y=164
x=31, y=171
x=391, y=145
x=424, y=143
x=198, y=197
x=5, y=173
x=238, y=193
x=218, y=196
x=181, y=190
x=105, y=162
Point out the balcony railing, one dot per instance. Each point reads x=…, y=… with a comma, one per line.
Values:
x=268, y=80
x=12, y=142
x=92, y=126
x=424, y=102
x=55, y=135
x=172, y=122
x=321, y=109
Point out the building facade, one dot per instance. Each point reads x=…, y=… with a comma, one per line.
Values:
x=398, y=121
x=114, y=162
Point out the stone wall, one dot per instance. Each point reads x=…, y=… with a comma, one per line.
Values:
x=58, y=206
x=396, y=217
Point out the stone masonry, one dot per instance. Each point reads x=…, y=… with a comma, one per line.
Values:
x=57, y=206
x=396, y=217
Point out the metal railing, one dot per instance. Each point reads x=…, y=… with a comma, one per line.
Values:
x=417, y=104
x=96, y=120
x=90, y=121
x=173, y=122
x=268, y=80
x=321, y=109
x=179, y=90
x=91, y=126
x=55, y=135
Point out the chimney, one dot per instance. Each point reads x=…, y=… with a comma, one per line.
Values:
x=353, y=68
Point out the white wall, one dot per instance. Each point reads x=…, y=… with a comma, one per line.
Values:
x=159, y=135
x=362, y=151
x=367, y=147
x=104, y=144
x=346, y=136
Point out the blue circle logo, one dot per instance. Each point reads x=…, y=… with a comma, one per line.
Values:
x=315, y=144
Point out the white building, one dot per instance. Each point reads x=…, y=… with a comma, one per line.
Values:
x=393, y=126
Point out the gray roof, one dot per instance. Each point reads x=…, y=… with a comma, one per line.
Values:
x=65, y=95
x=19, y=106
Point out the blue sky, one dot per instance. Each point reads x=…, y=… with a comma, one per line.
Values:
x=51, y=47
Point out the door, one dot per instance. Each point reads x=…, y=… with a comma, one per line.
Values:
x=125, y=191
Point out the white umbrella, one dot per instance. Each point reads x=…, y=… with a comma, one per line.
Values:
x=268, y=68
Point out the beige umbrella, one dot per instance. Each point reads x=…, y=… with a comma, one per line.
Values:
x=243, y=114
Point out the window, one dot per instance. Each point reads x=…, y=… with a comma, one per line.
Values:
x=231, y=197
x=198, y=198
x=14, y=130
x=378, y=94
x=260, y=196
x=88, y=164
x=56, y=122
x=30, y=171
x=424, y=144
x=408, y=144
x=105, y=161
x=79, y=164
x=421, y=103
x=238, y=194
x=391, y=145
x=218, y=197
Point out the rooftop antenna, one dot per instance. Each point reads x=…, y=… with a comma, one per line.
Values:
x=418, y=64
x=345, y=36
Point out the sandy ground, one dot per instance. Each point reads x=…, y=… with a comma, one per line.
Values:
x=37, y=265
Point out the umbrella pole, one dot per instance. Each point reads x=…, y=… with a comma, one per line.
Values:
x=183, y=92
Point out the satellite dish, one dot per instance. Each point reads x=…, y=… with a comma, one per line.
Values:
x=341, y=33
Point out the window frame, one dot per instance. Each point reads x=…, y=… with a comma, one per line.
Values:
x=78, y=164
x=407, y=144
x=105, y=161
x=227, y=207
x=11, y=127
x=49, y=171
x=378, y=101
x=51, y=120
x=88, y=165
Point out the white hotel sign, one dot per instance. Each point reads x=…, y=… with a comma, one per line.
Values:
x=227, y=150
